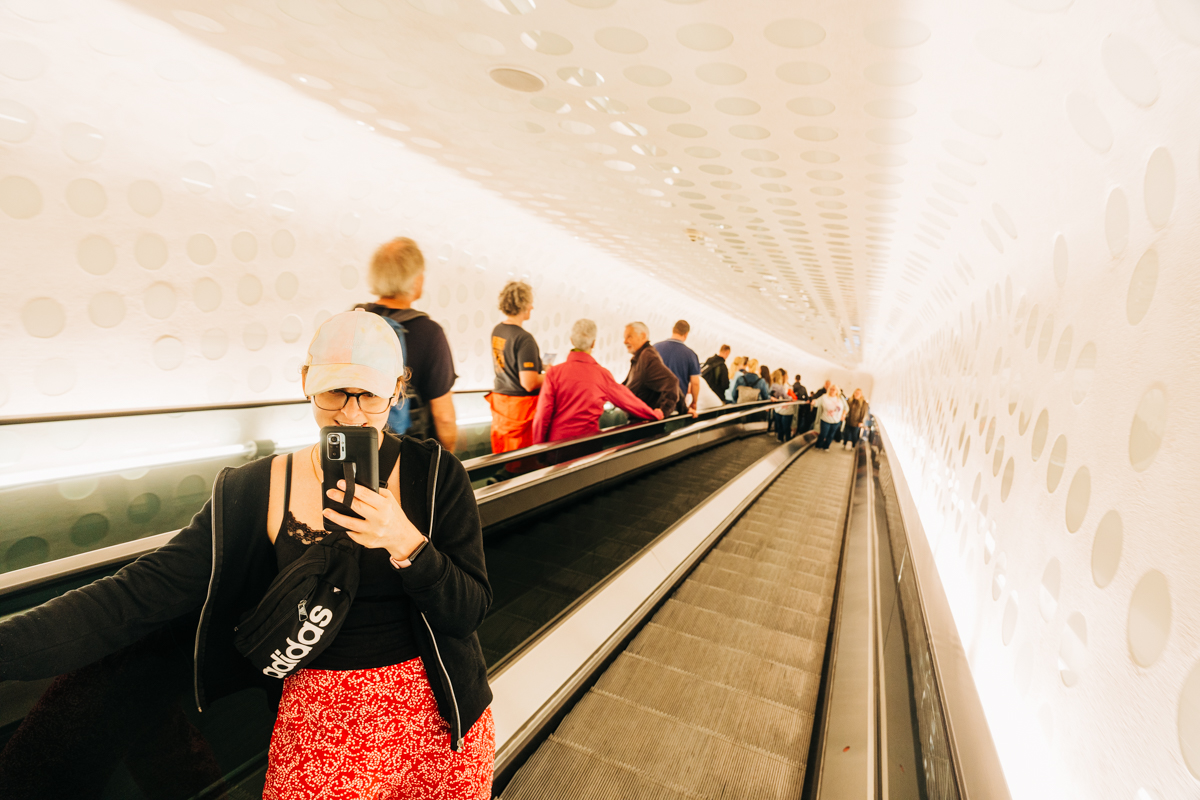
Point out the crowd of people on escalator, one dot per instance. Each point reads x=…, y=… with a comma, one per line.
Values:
x=534, y=400
x=398, y=704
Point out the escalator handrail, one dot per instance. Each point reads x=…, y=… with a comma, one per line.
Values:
x=650, y=428
x=158, y=410
x=17, y=580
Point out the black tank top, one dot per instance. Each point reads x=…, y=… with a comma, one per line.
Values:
x=378, y=628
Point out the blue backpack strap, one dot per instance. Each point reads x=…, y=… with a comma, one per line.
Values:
x=400, y=417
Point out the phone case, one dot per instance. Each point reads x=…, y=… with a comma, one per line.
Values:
x=347, y=451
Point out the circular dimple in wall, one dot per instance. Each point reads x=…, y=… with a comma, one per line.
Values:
x=1116, y=222
x=1084, y=372
x=145, y=198
x=167, y=352
x=1149, y=425
x=1007, y=480
x=1057, y=463
x=283, y=243
x=1049, y=588
x=1149, y=618
x=1062, y=355
x=1072, y=651
x=198, y=177
x=1008, y=624
x=150, y=251
x=991, y=433
x=20, y=197
x=348, y=276
x=1060, y=262
x=86, y=197
x=249, y=289
x=254, y=336
x=245, y=246
x=26, y=552
x=96, y=255
x=159, y=300
x=1047, y=335
x=999, y=576
x=201, y=249
x=1141, y=287
x=998, y=459
x=286, y=285
x=206, y=294
x=1041, y=429
x=81, y=142
x=1189, y=721
x=1078, y=497
x=43, y=317
x=214, y=343
x=1031, y=326
x=17, y=122
x=1106, y=548
x=291, y=328
x=966, y=451
x=1025, y=416
x=106, y=309
x=89, y=529
x=1159, y=187
x=143, y=508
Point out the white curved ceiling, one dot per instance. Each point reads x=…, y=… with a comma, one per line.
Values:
x=803, y=171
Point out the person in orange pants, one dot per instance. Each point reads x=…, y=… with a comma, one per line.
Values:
x=517, y=362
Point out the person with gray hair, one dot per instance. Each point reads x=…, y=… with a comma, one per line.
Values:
x=573, y=393
x=649, y=378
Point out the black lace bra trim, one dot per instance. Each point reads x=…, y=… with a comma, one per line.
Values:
x=301, y=532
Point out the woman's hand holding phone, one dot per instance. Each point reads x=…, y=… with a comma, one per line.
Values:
x=384, y=523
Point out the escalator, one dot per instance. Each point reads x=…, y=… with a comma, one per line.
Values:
x=717, y=694
x=682, y=609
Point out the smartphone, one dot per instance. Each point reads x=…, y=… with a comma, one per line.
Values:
x=349, y=453
x=548, y=359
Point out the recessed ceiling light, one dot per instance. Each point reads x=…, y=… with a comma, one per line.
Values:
x=519, y=80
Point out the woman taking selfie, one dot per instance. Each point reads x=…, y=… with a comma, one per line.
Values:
x=395, y=703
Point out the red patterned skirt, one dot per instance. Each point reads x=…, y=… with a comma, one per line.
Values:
x=373, y=734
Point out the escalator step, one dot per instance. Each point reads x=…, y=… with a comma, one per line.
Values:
x=808, y=597
x=735, y=669
x=737, y=634
x=659, y=744
x=718, y=709
x=787, y=620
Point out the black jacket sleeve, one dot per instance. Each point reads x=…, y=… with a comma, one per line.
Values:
x=88, y=623
x=448, y=581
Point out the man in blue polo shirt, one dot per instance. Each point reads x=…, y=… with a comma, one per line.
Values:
x=684, y=362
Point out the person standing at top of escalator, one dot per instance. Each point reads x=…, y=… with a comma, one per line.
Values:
x=397, y=276
x=517, y=362
x=649, y=378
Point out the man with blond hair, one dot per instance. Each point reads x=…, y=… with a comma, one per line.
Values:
x=397, y=277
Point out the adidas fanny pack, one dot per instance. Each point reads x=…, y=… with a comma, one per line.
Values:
x=303, y=609
x=307, y=603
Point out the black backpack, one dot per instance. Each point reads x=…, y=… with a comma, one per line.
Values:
x=307, y=603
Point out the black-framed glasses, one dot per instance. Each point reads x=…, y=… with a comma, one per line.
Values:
x=336, y=400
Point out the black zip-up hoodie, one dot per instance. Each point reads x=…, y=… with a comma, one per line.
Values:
x=223, y=562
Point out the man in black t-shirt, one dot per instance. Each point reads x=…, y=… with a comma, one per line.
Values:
x=517, y=363
x=397, y=276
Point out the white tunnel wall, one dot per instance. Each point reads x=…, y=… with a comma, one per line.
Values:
x=1049, y=426
x=175, y=225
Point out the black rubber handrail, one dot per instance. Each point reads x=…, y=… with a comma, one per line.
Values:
x=649, y=427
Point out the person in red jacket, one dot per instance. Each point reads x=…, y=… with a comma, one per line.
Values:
x=573, y=393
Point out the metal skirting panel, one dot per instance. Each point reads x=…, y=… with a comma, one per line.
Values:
x=715, y=696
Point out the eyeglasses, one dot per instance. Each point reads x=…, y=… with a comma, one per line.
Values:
x=336, y=400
